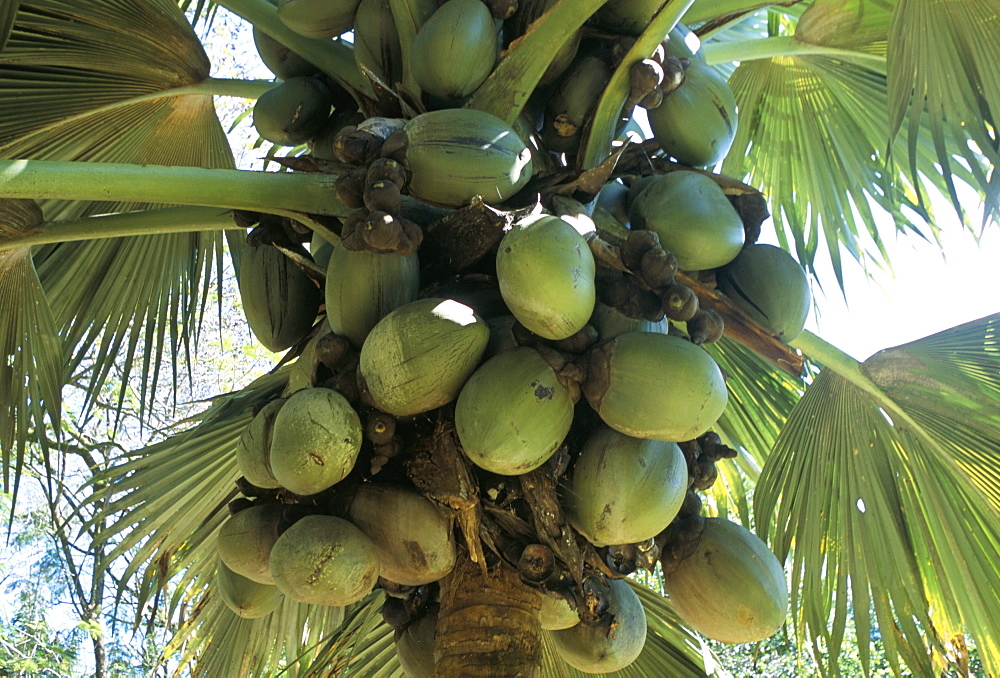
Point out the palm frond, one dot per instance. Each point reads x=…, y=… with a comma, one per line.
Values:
x=7, y=13
x=760, y=400
x=949, y=84
x=814, y=134
x=163, y=505
x=883, y=499
x=31, y=356
x=80, y=82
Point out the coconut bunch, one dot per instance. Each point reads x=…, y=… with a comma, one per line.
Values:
x=498, y=353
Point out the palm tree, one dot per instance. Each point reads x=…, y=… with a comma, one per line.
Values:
x=875, y=482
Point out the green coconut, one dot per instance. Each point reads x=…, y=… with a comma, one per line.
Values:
x=625, y=490
x=655, y=386
x=292, y=112
x=767, y=283
x=319, y=19
x=693, y=218
x=279, y=300
x=696, y=123
x=455, y=49
x=732, y=588
x=413, y=539
x=245, y=541
x=610, y=322
x=546, y=275
x=245, y=597
x=456, y=154
x=415, y=647
x=324, y=560
x=254, y=447
x=556, y=612
x=363, y=287
x=513, y=413
x=316, y=439
x=419, y=356
x=613, y=642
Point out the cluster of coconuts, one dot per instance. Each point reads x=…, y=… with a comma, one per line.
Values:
x=535, y=355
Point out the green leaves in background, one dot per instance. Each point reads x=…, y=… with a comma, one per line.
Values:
x=819, y=112
x=95, y=82
x=881, y=491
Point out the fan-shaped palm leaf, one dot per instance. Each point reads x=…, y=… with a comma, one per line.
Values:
x=884, y=497
x=163, y=505
x=31, y=359
x=111, y=81
x=7, y=13
x=814, y=130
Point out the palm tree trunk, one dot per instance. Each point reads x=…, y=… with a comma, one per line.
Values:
x=488, y=625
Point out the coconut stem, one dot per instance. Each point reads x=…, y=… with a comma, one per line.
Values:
x=149, y=222
x=783, y=46
x=281, y=193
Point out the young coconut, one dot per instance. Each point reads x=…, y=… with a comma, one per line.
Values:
x=324, y=560
x=254, y=446
x=245, y=597
x=246, y=539
x=418, y=357
x=316, y=439
x=413, y=538
x=613, y=641
x=655, y=386
x=732, y=589
x=546, y=275
x=625, y=490
x=513, y=413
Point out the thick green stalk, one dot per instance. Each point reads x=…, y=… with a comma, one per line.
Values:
x=703, y=10
x=333, y=57
x=597, y=143
x=273, y=192
x=148, y=222
x=783, y=45
x=507, y=89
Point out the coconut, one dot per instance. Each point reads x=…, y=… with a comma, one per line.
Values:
x=625, y=490
x=655, y=386
x=513, y=413
x=612, y=642
x=245, y=541
x=419, y=356
x=316, y=439
x=413, y=538
x=245, y=597
x=324, y=560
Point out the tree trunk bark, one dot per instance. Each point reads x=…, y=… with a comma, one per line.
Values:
x=100, y=656
x=488, y=625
